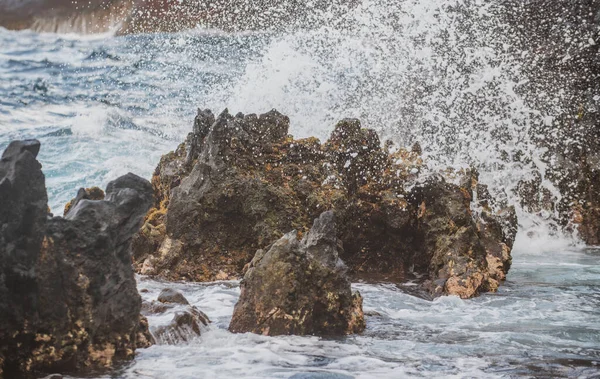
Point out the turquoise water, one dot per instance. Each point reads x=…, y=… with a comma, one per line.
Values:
x=105, y=106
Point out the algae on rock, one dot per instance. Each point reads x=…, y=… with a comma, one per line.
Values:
x=299, y=287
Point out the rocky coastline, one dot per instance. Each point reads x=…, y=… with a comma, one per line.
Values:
x=296, y=220
x=166, y=16
x=239, y=183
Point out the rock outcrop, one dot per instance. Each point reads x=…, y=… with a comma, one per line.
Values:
x=93, y=193
x=299, y=287
x=466, y=253
x=240, y=182
x=68, y=297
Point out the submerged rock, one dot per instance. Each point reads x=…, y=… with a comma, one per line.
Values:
x=187, y=320
x=68, y=297
x=169, y=295
x=240, y=182
x=299, y=287
x=186, y=324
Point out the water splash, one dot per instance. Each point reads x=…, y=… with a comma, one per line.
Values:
x=449, y=74
x=446, y=73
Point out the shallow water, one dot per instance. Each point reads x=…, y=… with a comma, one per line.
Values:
x=543, y=322
x=103, y=106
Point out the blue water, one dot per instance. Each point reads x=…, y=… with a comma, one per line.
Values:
x=103, y=106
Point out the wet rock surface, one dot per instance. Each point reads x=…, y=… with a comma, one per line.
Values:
x=467, y=253
x=187, y=320
x=240, y=182
x=169, y=295
x=299, y=287
x=68, y=296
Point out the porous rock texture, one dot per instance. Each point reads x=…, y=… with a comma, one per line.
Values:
x=68, y=297
x=299, y=287
x=238, y=183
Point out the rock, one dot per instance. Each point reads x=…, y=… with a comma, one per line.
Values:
x=299, y=287
x=93, y=193
x=187, y=321
x=68, y=297
x=23, y=213
x=169, y=295
x=239, y=182
x=185, y=325
x=154, y=307
x=467, y=254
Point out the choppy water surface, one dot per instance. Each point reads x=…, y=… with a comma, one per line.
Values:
x=103, y=106
x=544, y=322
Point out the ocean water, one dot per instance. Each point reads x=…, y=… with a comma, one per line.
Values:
x=443, y=73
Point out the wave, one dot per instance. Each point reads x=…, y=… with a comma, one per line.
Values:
x=448, y=74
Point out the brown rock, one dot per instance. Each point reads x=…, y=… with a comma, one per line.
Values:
x=170, y=296
x=467, y=253
x=299, y=287
x=239, y=182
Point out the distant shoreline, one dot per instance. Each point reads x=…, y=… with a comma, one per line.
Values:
x=149, y=16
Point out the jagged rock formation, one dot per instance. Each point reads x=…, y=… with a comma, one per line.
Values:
x=299, y=287
x=239, y=183
x=68, y=297
x=466, y=254
x=93, y=193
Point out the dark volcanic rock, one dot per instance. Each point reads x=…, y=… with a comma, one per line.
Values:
x=187, y=320
x=68, y=296
x=93, y=193
x=23, y=213
x=299, y=287
x=240, y=182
